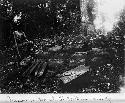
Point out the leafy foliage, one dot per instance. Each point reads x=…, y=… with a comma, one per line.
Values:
x=52, y=45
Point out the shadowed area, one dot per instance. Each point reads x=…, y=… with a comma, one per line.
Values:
x=44, y=48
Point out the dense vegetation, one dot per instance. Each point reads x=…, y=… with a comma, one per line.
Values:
x=50, y=23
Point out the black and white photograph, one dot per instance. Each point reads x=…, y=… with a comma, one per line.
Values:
x=62, y=46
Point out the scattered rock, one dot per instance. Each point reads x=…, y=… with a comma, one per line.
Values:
x=68, y=76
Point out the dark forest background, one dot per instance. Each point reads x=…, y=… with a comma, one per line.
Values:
x=59, y=22
x=44, y=18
